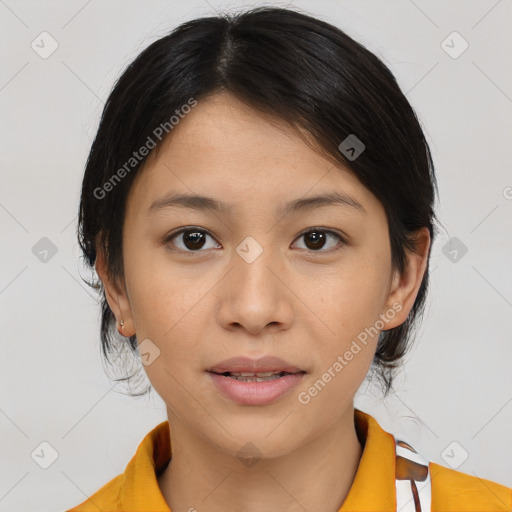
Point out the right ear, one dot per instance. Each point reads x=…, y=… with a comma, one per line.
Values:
x=116, y=296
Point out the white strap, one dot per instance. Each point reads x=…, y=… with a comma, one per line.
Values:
x=404, y=493
x=402, y=451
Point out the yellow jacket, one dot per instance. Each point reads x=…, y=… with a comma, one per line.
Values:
x=389, y=472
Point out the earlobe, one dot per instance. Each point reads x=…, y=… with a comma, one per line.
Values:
x=116, y=297
x=405, y=286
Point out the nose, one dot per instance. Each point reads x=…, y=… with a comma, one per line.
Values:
x=255, y=294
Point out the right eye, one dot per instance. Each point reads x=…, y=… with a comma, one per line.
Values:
x=192, y=239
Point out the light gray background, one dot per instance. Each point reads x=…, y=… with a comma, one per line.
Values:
x=457, y=383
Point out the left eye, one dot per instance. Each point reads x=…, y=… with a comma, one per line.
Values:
x=316, y=238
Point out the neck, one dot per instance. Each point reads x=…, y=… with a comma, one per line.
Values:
x=316, y=476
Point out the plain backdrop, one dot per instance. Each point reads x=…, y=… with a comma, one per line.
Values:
x=453, y=398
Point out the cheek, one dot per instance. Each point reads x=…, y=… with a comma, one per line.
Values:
x=168, y=307
x=158, y=295
x=349, y=306
x=352, y=296
x=349, y=301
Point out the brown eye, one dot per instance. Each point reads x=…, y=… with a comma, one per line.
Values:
x=190, y=240
x=316, y=239
x=193, y=240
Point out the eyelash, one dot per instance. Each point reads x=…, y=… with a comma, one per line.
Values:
x=174, y=234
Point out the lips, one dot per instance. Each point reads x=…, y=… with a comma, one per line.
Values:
x=263, y=367
x=263, y=381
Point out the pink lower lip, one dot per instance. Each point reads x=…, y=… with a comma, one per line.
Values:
x=255, y=393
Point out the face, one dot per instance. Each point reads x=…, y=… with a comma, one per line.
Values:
x=311, y=284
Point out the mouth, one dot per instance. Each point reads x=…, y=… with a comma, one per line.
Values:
x=248, y=381
x=255, y=388
x=256, y=377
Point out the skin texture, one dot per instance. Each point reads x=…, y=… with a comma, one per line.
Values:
x=296, y=302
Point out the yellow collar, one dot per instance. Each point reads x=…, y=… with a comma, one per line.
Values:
x=373, y=487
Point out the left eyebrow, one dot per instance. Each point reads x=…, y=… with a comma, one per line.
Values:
x=331, y=199
x=199, y=202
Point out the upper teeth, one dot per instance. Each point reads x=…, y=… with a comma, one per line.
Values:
x=252, y=374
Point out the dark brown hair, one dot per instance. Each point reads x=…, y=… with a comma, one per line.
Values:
x=301, y=70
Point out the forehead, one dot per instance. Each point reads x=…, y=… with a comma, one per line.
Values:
x=225, y=127
x=225, y=149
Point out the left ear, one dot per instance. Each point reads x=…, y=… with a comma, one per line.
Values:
x=405, y=286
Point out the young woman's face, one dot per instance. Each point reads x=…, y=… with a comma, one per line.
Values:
x=310, y=285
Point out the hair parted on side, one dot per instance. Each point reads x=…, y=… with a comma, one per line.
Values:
x=297, y=68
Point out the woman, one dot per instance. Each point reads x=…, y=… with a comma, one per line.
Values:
x=258, y=205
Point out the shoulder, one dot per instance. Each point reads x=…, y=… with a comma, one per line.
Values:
x=452, y=489
x=441, y=489
x=106, y=498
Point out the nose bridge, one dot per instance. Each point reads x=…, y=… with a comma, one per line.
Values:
x=250, y=250
x=253, y=259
